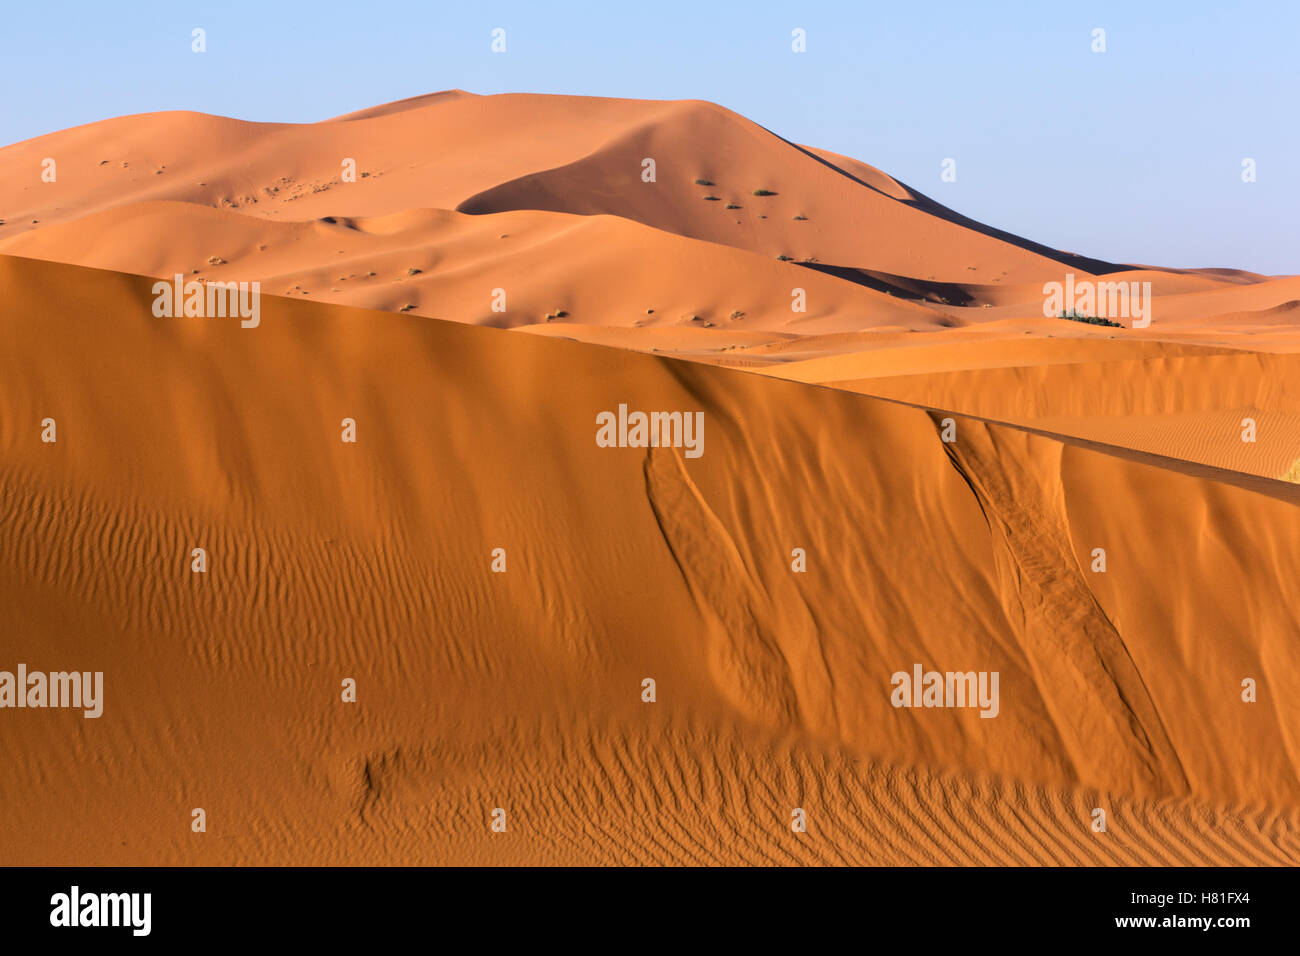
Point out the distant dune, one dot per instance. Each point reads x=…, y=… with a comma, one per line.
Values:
x=137, y=194
x=946, y=460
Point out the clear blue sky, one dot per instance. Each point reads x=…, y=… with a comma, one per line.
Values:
x=1131, y=155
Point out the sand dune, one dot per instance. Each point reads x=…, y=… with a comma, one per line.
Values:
x=521, y=690
x=385, y=300
x=221, y=198
x=491, y=154
x=1231, y=409
x=136, y=194
x=596, y=270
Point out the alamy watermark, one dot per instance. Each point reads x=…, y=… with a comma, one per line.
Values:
x=946, y=689
x=651, y=430
x=75, y=908
x=208, y=299
x=1087, y=299
x=79, y=689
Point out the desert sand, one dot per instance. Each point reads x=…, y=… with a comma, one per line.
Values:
x=522, y=689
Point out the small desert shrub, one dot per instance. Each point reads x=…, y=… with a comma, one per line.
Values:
x=800, y=218
x=1089, y=319
x=764, y=192
x=712, y=198
x=703, y=182
x=413, y=271
x=732, y=205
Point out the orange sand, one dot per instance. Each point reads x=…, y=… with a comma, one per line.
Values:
x=522, y=690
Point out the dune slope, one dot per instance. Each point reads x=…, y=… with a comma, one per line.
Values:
x=522, y=690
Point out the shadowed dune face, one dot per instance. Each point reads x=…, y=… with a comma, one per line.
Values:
x=523, y=689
